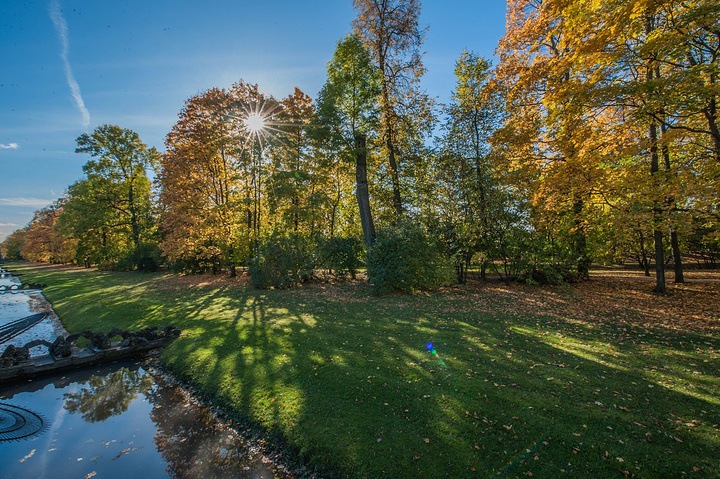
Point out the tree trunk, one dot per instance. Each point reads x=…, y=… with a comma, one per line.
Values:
x=711, y=114
x=461, y=273
x=679, y=276
x=677, y=258
x=645, y=263
x=657, y=213
x=361, y=192
x=334, y=211
x=580, y=242
x=390, y=144
x=133, y=217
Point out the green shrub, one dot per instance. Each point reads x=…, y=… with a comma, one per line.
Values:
x=145, y=257
x=404, y=258
x=341, y=256
x=148, y=257
x=283, y=261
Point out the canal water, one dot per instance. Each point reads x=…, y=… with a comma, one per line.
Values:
x=121, y=421
x=15, y=305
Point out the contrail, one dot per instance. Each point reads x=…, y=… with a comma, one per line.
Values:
x=62, y=30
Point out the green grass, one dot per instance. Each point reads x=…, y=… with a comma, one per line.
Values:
x=344, y=379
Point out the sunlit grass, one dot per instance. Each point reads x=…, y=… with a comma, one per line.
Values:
x=343, y=380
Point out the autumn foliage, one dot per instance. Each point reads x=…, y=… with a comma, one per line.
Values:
x=595, y=139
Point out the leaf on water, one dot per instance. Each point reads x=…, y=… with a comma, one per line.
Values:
x=28, y=456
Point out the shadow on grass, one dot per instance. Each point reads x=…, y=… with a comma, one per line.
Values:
x=347, y=383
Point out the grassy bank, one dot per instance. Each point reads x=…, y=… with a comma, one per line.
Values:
x=588, y=381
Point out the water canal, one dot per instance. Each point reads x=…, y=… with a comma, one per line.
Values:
x=15, y=305
x=114, y=421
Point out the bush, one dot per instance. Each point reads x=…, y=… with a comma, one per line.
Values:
x=148, y=257
x=404, y=258
x=145, y=257
x=341, y=256
x=283, y=261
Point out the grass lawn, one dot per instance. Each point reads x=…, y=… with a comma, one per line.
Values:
x=602, y=379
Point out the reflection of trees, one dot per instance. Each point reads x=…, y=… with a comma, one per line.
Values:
x=194, y=443
x=189, y=437
x=102, y=397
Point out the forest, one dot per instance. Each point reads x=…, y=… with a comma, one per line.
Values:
x=593, y=138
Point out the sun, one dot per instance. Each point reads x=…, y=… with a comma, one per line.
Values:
x=255, y=123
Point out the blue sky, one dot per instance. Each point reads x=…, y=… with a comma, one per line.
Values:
x=69, y=66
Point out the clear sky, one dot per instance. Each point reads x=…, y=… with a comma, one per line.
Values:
x=68, y=66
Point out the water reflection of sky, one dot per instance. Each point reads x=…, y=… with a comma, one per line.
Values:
x=119, y=423
x=19, y=304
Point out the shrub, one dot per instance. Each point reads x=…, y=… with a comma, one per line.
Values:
x=148, y=257
x=404, y=258
x=145, y=257
x=283, y=261
x=341, y=256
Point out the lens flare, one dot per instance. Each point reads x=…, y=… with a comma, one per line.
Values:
x=430, y=347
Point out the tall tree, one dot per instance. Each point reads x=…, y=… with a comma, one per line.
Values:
x=296, y=187
x=347, y=108
x=211, y=178
x=546, y=137
x=95, y=214
x=627, y=70
x=119, y=168
x=473, y=200
x=391, y=31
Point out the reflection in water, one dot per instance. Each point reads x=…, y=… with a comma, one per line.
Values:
x=20, y=304
x=195, y=443
x=102, y=397
x=121, y=422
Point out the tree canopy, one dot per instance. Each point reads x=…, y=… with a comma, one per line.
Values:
x=594, y=139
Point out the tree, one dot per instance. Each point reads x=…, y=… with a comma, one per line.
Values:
x=211, y=179
x=117, y=181
x=600, y=90
x=347, y=108
x=296, y=182
x=102, y=230
x=12, y=246
x=473, y=201
x=43, y=241
x=390, y=30
x=552, y=146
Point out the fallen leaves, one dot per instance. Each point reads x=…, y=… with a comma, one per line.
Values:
x=622, y=297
